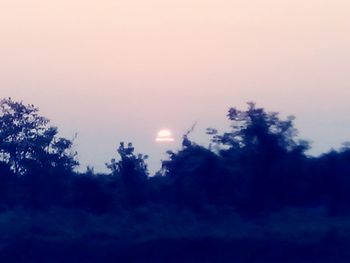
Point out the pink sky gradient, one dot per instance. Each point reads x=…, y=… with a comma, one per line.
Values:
x=122, y=70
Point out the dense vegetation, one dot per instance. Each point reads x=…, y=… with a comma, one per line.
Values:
x=252, y=195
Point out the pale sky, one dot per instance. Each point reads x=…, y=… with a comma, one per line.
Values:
x=121, y=70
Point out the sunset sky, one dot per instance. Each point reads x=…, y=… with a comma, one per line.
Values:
x=122, y=70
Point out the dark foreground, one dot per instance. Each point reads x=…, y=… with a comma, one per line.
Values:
x=176, y=250
x=293, y=235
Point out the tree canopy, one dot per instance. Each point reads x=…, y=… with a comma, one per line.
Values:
x=27, y=140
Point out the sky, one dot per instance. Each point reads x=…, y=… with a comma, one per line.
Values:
x=121, y=70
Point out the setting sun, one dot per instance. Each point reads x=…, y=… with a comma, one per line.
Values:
x=164, y=136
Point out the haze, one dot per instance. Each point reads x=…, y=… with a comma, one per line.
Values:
x=122, y=70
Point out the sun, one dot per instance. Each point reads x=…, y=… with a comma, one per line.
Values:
x=164, y=135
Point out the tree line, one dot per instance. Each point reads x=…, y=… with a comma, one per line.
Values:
x=258, y=166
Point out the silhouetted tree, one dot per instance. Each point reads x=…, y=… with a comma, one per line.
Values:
x=41, y=161
x=256, y=148
x=27, y=140
x=255, y=130
x=197, y=176
x=131, y=173
x=332, y=180
x=7, y=186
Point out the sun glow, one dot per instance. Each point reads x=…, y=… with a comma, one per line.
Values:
x=164, y=136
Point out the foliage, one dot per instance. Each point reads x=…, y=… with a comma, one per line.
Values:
x=27, y=141
x=131, y=174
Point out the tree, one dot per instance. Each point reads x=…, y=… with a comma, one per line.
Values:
x=130, y=167
x=197, y=176
x=131, y=173
x=263, y=152
x=256, y=130
x=27, y=141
